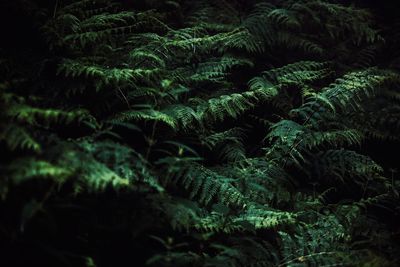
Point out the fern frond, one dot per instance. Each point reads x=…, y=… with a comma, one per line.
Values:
x=252, y=219
x=367, y=56
x=124, y=161
x=229, y=144
x=260, y=180
x=302, y=72
x=345, y=95
x=334, y=138
x=102, y=76
x=286, y=136
x=92, y=175
x=145, y=115
x=182, y=214
x=284, y=18
x=344, y=20
x=26, y=169
x=217, y=68
x=216, y=109
x=217, y=138
x=293, y=141
x=105, y=27
x=216, y=223
x=265, y=219
x=46, y=117
x=243, y=39
x=207, y=185
x=78, y=7
x=16, y=137
x=147, y=58
x=342, y=164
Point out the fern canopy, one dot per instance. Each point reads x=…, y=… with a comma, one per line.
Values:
x=199, y=133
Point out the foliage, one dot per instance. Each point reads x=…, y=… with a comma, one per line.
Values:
x=200, y=133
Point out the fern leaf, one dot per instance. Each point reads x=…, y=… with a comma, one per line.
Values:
x=17, y=138
x=145, y=115
x=208, y=185
x=26, y=169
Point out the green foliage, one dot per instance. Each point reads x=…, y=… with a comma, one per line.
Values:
x=200, y=133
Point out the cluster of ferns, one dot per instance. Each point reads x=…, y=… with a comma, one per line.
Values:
x=200, y=133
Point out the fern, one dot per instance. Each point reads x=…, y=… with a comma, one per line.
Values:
x=229, y=144
x=104, y=77
x=340, y=163
x=131, y=166
x=36, y=169
x=303, y=72
x=235, y=104
x=17, y=138
x=264, y=219
x=212, y=133
x=145, y=115
x=344, y=96
x=207, y=185
x=261, y=180
x=217, y=69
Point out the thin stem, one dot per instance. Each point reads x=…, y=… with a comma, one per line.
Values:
x=304, y=258
x=124, y=97
x=151, y=140
x=55, y=9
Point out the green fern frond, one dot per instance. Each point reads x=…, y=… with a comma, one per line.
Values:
x=342, y=164
x=103, y=76
x=105, y=27
x=346, y=95
x=367, y=56
x=257, y=20
x=344, y=20
x=92, y=175
x=145, y=115
x=186, y=118
x=334, y=138
x=46, y=117
x=297, y=43
x=252, y=219
x=293, y=141
x=216, y=109
x=302, y=72
x=216, y=223
x=265, y=219
x=96, y=177
x=271, y=27
x=284, y=18
x=26, y=169
x=285, y=131
x=217, y=138
x=182, y=214
x=286, y=137
x=207, y=185
x=125, y=162
x=217, y=68
x=147, y=57
x=228, y=144
x=242, y=39
x=16, y=137
x=77, y=7
x=260, y=180
x=104, y=21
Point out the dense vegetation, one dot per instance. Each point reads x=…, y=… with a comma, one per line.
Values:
x=199, y=133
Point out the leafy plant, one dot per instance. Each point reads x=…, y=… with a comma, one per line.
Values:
x=199, y=133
